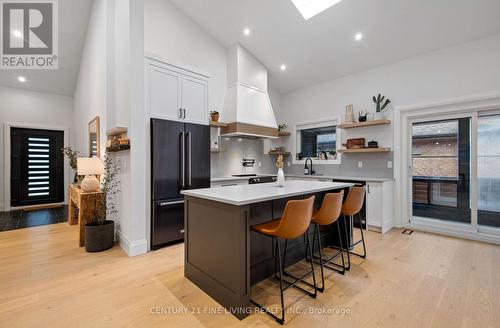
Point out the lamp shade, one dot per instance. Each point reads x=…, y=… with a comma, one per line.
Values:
x=90, y=166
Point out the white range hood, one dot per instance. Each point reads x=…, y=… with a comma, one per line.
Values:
x=247, y=107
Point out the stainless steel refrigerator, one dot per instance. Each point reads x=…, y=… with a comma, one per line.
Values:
x=180, y=159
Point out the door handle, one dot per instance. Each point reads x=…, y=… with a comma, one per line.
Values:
x=170, y=203
x=184, y=111
x=180, y=113
x=190, y=161
x=183, y=159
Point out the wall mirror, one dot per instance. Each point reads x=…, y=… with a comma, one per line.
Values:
x=94, y=137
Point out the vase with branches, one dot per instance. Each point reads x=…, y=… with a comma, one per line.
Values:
x=99, y=234
x=72, y=156
x=109, y=188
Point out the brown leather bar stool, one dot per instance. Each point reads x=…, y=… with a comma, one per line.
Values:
x=352, y=206
x=293, y=224
x=327, y=215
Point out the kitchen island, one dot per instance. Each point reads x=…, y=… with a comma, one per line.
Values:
x=222, y=256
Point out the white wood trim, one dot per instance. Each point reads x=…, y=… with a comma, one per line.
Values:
x=460, y=233
x=185, y=68
x=470, y=106
x=334, y=120
x=6, y=158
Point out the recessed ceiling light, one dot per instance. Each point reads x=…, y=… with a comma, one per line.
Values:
x=17, y=34
x=283, y=67
x=358, y=36
x=310, y=8
x=21, y=79
x=246, y=31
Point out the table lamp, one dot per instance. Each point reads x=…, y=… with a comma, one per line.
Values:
x=90, y=167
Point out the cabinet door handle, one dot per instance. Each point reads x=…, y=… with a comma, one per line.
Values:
x=190, y=161
x=368, y=188
x=184, y=113
x=183, y=159
x=170, y=203
x=180, y=113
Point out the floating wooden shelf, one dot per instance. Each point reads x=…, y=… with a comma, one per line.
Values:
x=363, y=124
x=217, y=150
x=116, y=148
x=217, y=124
x=284, y=153
x=116, y=131
x=364, y=150
x=284, y=134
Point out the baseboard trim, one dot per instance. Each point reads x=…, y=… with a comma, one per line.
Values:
x=132, y=248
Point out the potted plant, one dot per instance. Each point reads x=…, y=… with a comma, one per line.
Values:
x=282, y=127
x=100, y=233
x=380, y=106
x=214, y=116
x=72, y=156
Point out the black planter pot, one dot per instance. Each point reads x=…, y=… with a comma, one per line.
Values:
x=99, y=237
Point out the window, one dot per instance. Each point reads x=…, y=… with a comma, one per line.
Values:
x=317, y=141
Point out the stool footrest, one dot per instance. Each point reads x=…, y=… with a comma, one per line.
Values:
x=298, y=279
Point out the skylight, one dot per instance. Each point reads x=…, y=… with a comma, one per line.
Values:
x=310, y=8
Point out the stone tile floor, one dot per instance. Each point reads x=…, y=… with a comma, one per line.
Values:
x=25, y=219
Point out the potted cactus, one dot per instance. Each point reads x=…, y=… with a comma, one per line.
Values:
x=380, y=106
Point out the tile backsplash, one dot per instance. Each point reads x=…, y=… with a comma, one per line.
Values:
x=228, y=162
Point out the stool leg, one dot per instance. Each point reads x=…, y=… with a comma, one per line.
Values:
x=282, y=320
x=316, y=234
x=275, y=246
x=362, y=236
x=341, y=248
x=312, y=264
x=347, y=244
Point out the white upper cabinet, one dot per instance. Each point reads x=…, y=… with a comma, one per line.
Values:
x=194, y=100
x=165, y=93
x=174, y=93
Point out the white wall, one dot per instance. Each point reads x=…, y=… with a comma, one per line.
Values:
x=112, y=53
x=170, y=34
x=35, y=109
x=467, y=69
x=91, y=88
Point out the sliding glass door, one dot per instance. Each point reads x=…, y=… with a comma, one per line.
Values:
x=488, y=170
x=454, y=173
x=441, y=170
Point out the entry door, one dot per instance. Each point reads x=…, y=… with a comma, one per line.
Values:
x=441, y=170
x=37, y=167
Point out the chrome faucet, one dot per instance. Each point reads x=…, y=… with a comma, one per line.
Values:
x=307, y=170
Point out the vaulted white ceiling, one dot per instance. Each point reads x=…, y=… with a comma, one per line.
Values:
x=73, y=20
x=323, y=47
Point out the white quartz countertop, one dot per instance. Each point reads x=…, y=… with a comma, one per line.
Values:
x=303, y=176
x=248, y=194
x=338, y=177
x=233, y=178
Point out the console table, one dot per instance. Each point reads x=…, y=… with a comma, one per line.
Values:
x=84, y=203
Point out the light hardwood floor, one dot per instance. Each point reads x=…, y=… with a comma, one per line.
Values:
x=422, y=280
